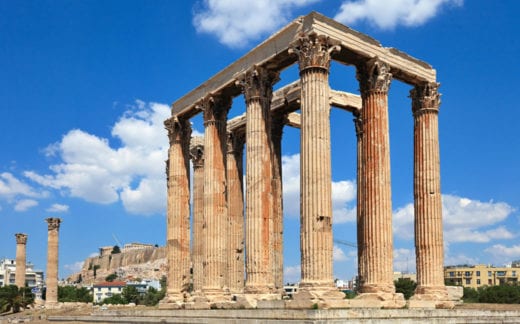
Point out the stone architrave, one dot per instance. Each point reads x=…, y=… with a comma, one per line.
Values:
x=257, y=85
x=51, y=282
x=215, y=109
x=277, y=123
x=235, y=200
x=21, y=244
x=427, y=193
x=375, y=222
x=197, y=254
x=317, y=280
x=178, y=211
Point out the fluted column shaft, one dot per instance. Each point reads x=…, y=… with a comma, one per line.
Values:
x=257, y=84
x=277, y=193
x=359, y=199
x=235, y=149
x=376, y=243
x=315, y=177
x=215, y=207
x=178, y=209
x=21, y=244
x=197, y=254
x=427, y=190
x=51, y=282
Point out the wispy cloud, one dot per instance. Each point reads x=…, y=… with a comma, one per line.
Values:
x=387, y=14
x=25, y=204
x=58, y=208
x=74, y=267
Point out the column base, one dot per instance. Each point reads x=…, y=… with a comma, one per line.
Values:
x=173, y=301
x=379, y=300
x=431, y=297
x=317, y=296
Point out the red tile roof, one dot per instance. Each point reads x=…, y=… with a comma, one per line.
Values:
x=110, y=284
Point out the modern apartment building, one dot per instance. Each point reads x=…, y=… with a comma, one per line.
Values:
x=33, y=278
x=481, y=275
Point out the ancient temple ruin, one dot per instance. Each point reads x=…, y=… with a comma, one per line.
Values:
x=237, y=261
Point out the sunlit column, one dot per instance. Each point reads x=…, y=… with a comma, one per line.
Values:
x=197, y=255
x=21, y=244
x=53, y=225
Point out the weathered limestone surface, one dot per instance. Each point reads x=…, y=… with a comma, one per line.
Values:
x=215, y=208
x=53, y=225
x=277, y=123
x=376, y=204
x=313, y=53
x=197, y=247
x=427, y=194
x=235, y=149
x=178, y=210
x=21, y=244
x=257, y=83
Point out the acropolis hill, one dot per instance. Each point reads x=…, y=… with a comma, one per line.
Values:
x=134, y=261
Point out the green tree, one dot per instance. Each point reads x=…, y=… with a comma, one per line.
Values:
x=13, y=298
x=73, y=294
x=116, y=250
x=470, y=295
x=406, y=286
x=131, y=295
x=152, y=297
x=96, y=267
x=504, y=294
x=111, y=277
x=116, y=299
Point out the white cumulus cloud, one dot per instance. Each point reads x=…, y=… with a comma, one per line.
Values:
x=386, y=14
x=292, y=274
x=10, y=187
x=504, y=254
x=465, y=220
x=338, y=255
x=236, y=22
x=343, y=192
x=131, y=169
x=74, y=267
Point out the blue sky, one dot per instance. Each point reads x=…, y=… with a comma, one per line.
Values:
x=85, y=86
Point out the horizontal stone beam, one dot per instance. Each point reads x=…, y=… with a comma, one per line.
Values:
x=288, y=100
x=273, y=54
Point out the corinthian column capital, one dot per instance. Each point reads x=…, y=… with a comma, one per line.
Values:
x=179, y=129
x=53, y=223
x=313, y=51
x=215, y=108
x=374, y=75
x=21, y=238
x=257, y=83
x=197, y=151
x=425, y=96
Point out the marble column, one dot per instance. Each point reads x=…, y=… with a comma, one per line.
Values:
x=178, y=210
x=21, y=244
x=197, y=247
x=215, y=208
x=51, y=282
x=257, y=86
x=358, y=123
x=235, y=200
x=375, y=243
x=427, y=193
x=315, y=172
x=277, y=124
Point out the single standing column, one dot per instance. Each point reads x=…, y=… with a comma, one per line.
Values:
x=257, y=85
x=52, y=261
x=178, y=210
x=21, y=244
x=235, y=199
x=197, y=254
x=427, y=193
x=315, y=177
x=376, y=204
x=358, y=123
x=277, y=124
x=215, y=207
